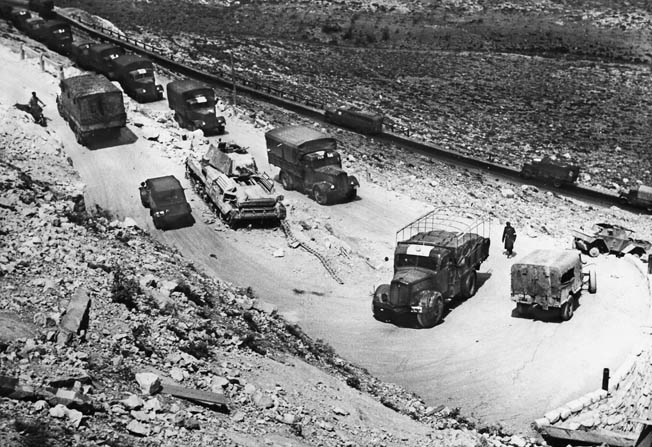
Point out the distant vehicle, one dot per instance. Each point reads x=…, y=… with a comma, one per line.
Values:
x=553, y=171
x=44, y=8
x=640, y=196
x=34, y=27
x=228, y=178
x=136, y=76
x=435, y=260
x=79, y=52
x=365, y=122
x=166, y=201
x=58, y=36
x=310, y=163
x=609, y=238
x=19, y=16
x=101, y=57
x=92, y=105
x=550, y=279
x=194, y=106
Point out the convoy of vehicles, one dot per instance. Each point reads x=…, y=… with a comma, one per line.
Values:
x=436, y=259
x=166, y=201
x=551, y=170
x=58, y=36
x=365, y=122
x=310, y=163
x=193, y=103
x=227, y=177
x=136, y=76
x=550, y=279
x=610, y=238
x=92, y=106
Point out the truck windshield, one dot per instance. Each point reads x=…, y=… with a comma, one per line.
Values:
x=200, y=102
x=111, y=56
x=169, y=197
x=426, y=262
x=142, y=75
x=322, y=158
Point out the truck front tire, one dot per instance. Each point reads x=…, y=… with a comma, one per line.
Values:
x=321, y=196
x=286, y=181
x=469, y=284
x=567, y=310
x=432, y=313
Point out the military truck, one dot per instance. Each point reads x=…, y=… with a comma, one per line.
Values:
x=228, y=179
x=194, y=106
x=34, y=27
x=359, y=120
x=19, y=16
x=58, y=36
x=166, y=201
x=79, y=52
x=92, y=105
x=44, y=8
x=640, y=196
x=310, y=163
x=100, y=58
x=551, y=170
x=136, y=76
x=435, y=261
x=547, y=279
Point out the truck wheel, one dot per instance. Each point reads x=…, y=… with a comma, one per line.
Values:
x=157, y=223
x=522, y=309
x=231, y=220
x=286, y=181
x=469, y=284
x=594, y=252
x=320, y=195
x=567, y=310
x=593, y=282
x=433, y=313
x=352, y=194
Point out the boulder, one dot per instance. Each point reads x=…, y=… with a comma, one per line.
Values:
x=149, y=383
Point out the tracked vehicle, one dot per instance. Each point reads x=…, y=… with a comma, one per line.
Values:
x=228, y=179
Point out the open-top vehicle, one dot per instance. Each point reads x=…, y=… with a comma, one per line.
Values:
x=610, y=238
x=435, y=260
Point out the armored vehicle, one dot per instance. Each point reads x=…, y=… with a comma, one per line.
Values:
x=166, y=201
x=310, y=163
x=550, y=279
x=136, y=76
x=19, y=16
x=359, y=120
x=228, y=179
x=58, y=36
x=92, y=106
x=550, y=170
x=610, y=238
x=194, y=106
x=79, y=52
x=101, y=57
x=34, y=27
x=435, y=260
x=640, y=196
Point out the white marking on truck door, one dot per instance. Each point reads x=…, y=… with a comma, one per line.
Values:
x=418, y=250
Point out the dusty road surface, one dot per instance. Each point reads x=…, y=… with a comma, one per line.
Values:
x=494, y=366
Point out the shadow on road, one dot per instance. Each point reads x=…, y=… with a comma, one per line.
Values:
x=552, y=315
x=125, y=137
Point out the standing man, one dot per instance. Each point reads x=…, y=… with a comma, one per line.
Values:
x=509, y=236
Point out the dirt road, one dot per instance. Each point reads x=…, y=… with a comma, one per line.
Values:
x=492, y=365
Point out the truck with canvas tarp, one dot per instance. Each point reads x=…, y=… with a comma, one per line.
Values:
x=193, y=103
x=359, y=120
x=436, y=260
x=135, y=74
x=92, y=106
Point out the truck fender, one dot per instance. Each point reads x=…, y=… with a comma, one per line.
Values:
x=353, y=181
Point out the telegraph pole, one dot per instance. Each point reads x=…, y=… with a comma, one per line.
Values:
x=232, y=76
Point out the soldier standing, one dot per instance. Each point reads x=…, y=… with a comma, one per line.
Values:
x=509, y=236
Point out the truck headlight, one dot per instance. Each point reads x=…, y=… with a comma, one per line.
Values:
x=332, y=186
x=142, y=90
x=160, y=213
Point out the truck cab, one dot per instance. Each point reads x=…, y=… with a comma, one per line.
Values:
x=19, y=16
x=58, y=36
x=136, y=76
x=193, y=103
x=435, y=260
x=101, y=57
x=310, y=163
x=35, y=28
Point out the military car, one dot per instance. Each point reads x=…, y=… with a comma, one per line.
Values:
x=100, y=58
x=92, y=105
x=365, y=122
x=166, y=201
x=136, y=76
x=227, y=178
x=640, y=196
x=551, y=170
x=310, y=163
x=610, y=238
x=550, y=279
x=435, y=261
x=193, y=103
x=58, y=36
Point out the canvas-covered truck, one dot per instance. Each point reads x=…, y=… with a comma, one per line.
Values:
x=310, y=163
x=135, y=74
x=193, y=103
x=92, y=106
x=551, y=170
x=436, y=260
x=547, y=278
x=639, y=196
x=359, y=120
x=228, y=179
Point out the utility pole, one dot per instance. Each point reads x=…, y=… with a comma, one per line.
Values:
x=232, y=76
